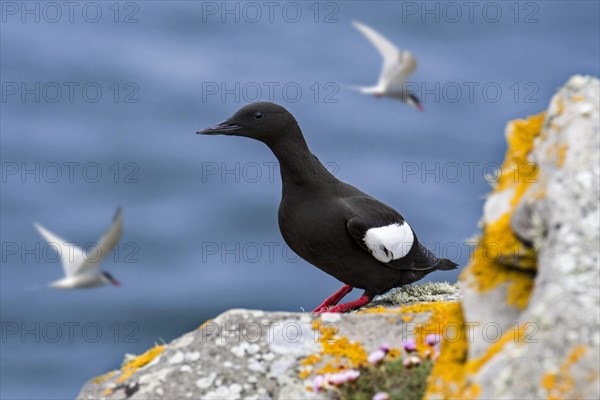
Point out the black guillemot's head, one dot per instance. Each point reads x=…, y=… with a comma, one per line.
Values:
x=267, y=122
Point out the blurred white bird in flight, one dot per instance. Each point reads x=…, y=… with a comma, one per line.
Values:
x=398, y=65
x=82, y=270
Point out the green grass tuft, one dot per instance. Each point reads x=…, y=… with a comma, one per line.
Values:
x=399, y=382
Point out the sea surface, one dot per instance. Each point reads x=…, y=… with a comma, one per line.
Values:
x=100, y=105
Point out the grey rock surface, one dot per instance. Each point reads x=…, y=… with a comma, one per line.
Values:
x=248, y=354
x=561, y=359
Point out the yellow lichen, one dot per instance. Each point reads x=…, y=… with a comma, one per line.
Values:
x=208, y=321
x=311, y=360
x=374, y=310
x=562, y=154
x=577, y=98
x=515, y=336
x=331, y=367
x=336, y=353
x=132, y=366
x=393, y=354
x=560, y=385
x=99, y=379
x=499, y=247
x=558, y=152
x=345, y=349
x=438, y=321
x=560, y=106
x=394, y=311
x=447, y=377
x=305, y=373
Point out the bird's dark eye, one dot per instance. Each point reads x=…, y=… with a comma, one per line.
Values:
x=258, y=115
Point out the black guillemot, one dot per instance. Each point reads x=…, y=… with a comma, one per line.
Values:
x=346, y=233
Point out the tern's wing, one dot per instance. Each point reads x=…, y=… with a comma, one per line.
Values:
x=402, y=70
x=362, y=89
x=397, y=64
x=98, y=252
x=72, y=257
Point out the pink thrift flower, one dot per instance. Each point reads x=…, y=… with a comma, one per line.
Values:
x=337, y=379
x=385, y=348
x=342, y=377
x=318, y=383
x=415, y=360
x=381, y=396
x=432, y=339
x=428, y=353
x=411, y=361
x=376, y=357
x=351, y=374
x=410, y=345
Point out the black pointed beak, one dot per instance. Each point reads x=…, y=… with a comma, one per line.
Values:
x=224, y=128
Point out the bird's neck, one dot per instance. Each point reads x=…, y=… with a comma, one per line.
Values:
x=298, y=166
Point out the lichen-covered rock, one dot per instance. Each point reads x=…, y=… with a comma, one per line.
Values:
x=271, y=355
x=532, y=292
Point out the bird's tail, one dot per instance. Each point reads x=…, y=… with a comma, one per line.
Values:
x=446, y=265
x=426, y=260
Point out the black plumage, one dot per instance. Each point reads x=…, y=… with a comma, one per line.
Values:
x=331, y=224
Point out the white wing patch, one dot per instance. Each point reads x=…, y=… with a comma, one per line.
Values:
x=390, y=242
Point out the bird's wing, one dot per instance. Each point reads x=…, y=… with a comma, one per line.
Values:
x=362, y=89
x=72, y=256
x=406, y=65
x=398, y=65
x=382, y=232
x=98, y=252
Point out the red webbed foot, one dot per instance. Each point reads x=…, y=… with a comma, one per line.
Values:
x=352, y=305
x=333, y=299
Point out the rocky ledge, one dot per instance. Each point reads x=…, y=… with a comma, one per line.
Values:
x=526, y=323
x=253, y=354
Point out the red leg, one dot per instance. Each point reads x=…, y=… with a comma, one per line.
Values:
x=334, y=298
x=353, y=305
